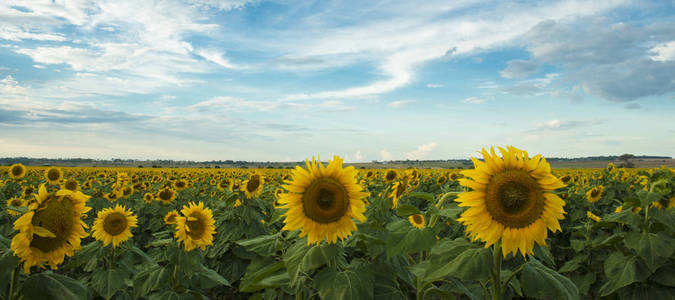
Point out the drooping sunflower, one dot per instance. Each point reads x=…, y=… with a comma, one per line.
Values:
x=51, y=229
x=417, y=221
x=170, y=217
x=322, y=201
x=53, y=175
x=196, y=227
x=594, y=194
x=593, y=216
x=113, y=225
x=253, y=186
x=16, y=202
x=71, y=184
x=166, y=195
x=511, y=200
x=399, y=190
x=17, y=171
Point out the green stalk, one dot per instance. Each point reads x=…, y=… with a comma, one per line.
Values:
x=496, y=271
x=434, y=219
x=13, y=281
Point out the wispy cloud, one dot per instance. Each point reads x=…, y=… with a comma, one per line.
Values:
x=422, y=151
x=474, y=100
x=400, y=103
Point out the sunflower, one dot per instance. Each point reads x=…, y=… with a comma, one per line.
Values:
x=51, y=229
x=594, y=194
x=166, y=195
x=399, y=190
x=17, y=171
x=417, y=221
x=71, y=184
x=323, y=200
x=390, y=175
x=566, y=179
x=441, y=180
x=148, y=197
x=592, y=216
x=53, y=175
x=16, y=202
x=225, y=184
x=511, y=200
x=114, y=225
x=170, y=217
x=180, y=184
x=253, y=186
x=28, y=191
x=671, y=202
x=112, y=196
x=196, y=227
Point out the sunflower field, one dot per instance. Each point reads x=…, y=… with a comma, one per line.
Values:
x=509, y=228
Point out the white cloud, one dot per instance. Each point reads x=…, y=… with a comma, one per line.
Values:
x=663, y=52
x=400, y=103
x=474, y=100
x=216, y=57
x=9, y=86
x=422, y=151
x=519, y=69
x=434, y=85
x=566, y=125
x=356, y=157
x=385, y=155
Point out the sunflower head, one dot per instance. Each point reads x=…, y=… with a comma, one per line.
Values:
x=170, y=217
x=53, y=175
x=17, y=171
x=71, y=184
x=322, y=201
x=148, y=197
x=417, y=221
x=441, y=180
x=225, y=184
x=594, y=194
x=253, y=186
x=196, y=227
x=51, y=229
x=15, y=202
x=593, y=216
x=113, y=225
x=390, y=175
x=166, y=195
x=28, y=190
x=180, y=184
x=511, y=200
x=399, y=190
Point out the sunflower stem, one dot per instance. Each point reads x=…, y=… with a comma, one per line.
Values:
x=13, y=281
x=434, y=219
x=508, y=279
x=496, y=271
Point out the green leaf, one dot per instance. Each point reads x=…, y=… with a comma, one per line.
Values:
x=627, y=216
x=405, y=210
x=7, y=264
x=301, y=258
x=48, y=285
x=347, y=284
x=647, y=198
x=665, y=217
x=150, y=280
x=622, y=271
x=107, y=282
x=653, y=248
x=665, y=276
x=208, y=278
x=538, y=281
x=452, y=211
x=263, y=245
x=574, y=263
x=258, y=273
x=404, y=239
x=424, y=196
x=471, y=264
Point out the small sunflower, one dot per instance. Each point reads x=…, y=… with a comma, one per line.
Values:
x=399, y=190
x=71, y=184
x=148, y=197
x=511, y=200
x=593, y=216
x=253, y=186
x=53, y=175
x=566, y=179
x=170, y=217
x=51, y=229
x=112, y=196
x=114, y=225
x=16, y=202
x=390, y=175
x=417, y=221
x=17, y=171
x=180, y=184
x=323, y=200
x=225, y=184
x=196, y=227
x=594, y=194
x=441, y=180
x=166, y=195
x=28, y=191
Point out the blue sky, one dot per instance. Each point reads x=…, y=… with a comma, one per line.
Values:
x=378, y=80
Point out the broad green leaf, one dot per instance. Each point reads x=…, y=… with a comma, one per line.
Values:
x=405, y=210
x=665, y=276
x=622, y=271
x=262, y=245
x=404, y=239
x=538, y=281
x=653, y=248
x=151, y=280
x=345, y=285
x=301, y=258
x=574, y=263
x=471, y=264
x=208, y=278
x=107, y=282
x=424, y=196
x=257, y=272
x=48, y=285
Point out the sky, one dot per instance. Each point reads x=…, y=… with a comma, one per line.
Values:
x=366, y=80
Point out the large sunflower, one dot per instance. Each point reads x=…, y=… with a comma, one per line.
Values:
x=51, y=229
x=511, y=200
x=114, y=225
x=17, y=171
x=53, y=175
x=323, y=200
x=196, y=227
x=253, y=186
